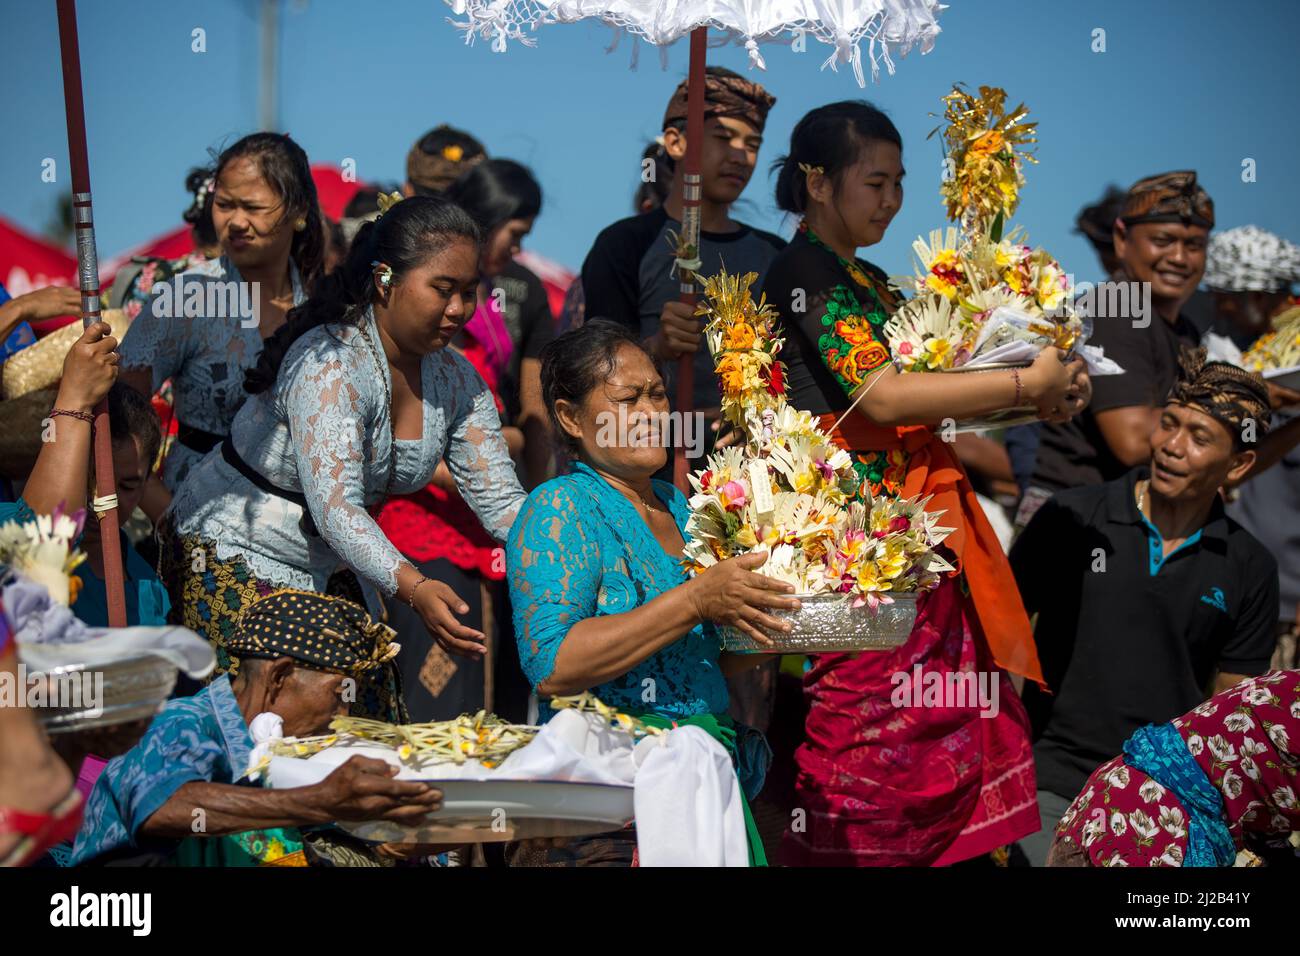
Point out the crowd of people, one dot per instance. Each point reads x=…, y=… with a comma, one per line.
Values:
x=398, y=471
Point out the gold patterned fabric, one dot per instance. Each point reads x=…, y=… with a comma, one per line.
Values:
x=209, y=596
x=1169, y=197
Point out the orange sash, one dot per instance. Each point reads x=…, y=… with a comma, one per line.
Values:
x=933, y=469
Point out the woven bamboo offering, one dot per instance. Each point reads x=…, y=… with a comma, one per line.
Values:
x=40, y=366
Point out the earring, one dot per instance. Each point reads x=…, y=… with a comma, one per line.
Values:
x=299, y=224
x=385, y=274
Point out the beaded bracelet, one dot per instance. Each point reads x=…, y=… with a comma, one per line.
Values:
x=410, y=598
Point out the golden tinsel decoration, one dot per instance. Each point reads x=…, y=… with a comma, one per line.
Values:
x=984, y=143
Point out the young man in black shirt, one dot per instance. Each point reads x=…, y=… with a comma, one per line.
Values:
x=1146, y=598
x=1159, y=239
x=628, y=276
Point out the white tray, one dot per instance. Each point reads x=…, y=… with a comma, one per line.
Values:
x=494, y=811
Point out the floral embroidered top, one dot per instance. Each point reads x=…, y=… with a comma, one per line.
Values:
x=580, y=549
x=204, y=355
x=832, y=316
x=324, y=430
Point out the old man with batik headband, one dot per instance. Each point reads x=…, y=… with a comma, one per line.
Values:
x=1148, y=597
x=299, y=653
x=1160, y=238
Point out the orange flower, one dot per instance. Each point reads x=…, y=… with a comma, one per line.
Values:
x=987, y=143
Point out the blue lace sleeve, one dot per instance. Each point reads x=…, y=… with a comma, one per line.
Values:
x=554, y=570
x=326, y=410
x=478, y=457
x=157, y=343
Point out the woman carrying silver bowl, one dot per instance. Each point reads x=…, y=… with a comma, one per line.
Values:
x=600, y=596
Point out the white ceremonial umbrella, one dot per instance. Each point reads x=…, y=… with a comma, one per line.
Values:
x=887, y=26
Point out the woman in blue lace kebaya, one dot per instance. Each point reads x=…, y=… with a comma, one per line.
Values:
x=355, y=398
x=264, y=210
x=601, y=600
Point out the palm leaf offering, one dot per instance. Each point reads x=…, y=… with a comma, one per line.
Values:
x=483, y=737
x=1278, y=348
x=975, y=289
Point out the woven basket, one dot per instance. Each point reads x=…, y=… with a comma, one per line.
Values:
x=41, y=365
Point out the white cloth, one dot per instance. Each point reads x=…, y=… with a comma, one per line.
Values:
x=689, y=809
x=888, y=26
x=686, y=796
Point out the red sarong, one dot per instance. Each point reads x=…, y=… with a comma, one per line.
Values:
x=889, y=785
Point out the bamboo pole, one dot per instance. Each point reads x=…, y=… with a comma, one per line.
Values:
x=88, y=274
x=692, y=194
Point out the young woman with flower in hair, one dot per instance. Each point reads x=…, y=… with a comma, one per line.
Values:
x=887, y=785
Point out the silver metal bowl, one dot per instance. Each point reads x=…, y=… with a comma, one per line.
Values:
x=101, y=696
x=828, y=624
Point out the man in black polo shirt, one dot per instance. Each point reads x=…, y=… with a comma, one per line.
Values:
x=1146, y=598
x=1160, y=239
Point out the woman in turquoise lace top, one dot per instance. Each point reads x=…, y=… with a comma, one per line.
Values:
x=601, y=600
x=355, y=398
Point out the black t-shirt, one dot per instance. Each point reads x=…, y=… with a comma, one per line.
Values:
x=1076, y=453
x=526, y=311
x=1121, y=646
x=628, y=276
x=812, y=292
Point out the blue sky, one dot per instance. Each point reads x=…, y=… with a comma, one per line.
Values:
x=1182, y=84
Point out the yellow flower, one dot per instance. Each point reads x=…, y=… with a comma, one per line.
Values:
x=746, y=537
x=936, y=350
x=739, y=336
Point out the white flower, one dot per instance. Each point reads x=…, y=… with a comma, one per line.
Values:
x=1221, y=748
x=1207, y=709
x=1249, y=768
x=1172, y=856
x=1277, y=733
x=1238, y=722
x=1173, y=822
x=1093, y=829
x=1257, y=696
x=1143, y=824
x=1195, y=745
x=1115, y=860
x=1150, y=791
x=1117, y=824
x=1117, y=776
x=1284, y=797
x=1250, y=747
x=1295, y=709
x=1231, y=784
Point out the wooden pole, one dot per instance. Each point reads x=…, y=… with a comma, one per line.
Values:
x=692, y=193
x=88, y=274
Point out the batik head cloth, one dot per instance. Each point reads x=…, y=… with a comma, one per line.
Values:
x=1228, y=393
x=725, y=94
x=1169, y=197
x=1250, y=259
x=319, y=631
